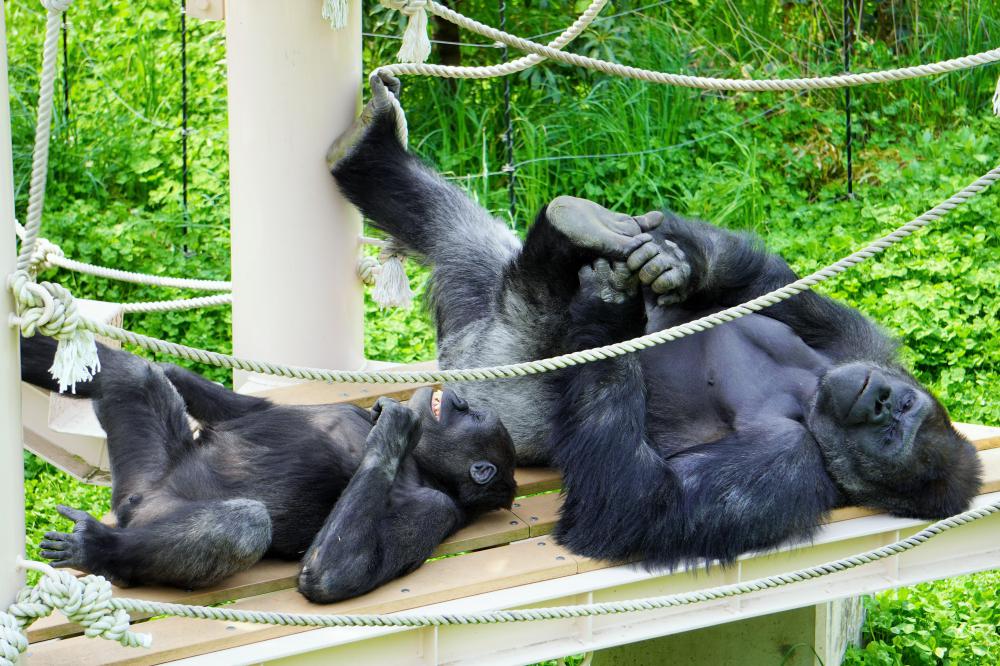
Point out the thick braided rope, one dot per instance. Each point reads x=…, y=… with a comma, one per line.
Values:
x=47, y=254
x=700, y=82
x=512, y=67
x=43, y=130
x=178, y=304
x=136, y=278
x=558, y=612
x=86, y=601
x=565, y=360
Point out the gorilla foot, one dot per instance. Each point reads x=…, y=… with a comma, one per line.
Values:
x=593, y=227
x=383, y=87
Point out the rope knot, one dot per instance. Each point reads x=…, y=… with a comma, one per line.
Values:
x=85, y=601
x=416, y=45
x=40, y=253
x=58, y=6
x=13, y=642
x=50, y=309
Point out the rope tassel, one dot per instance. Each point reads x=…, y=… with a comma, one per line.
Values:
x=392, y=287
x=335, y=11
x=416, y=44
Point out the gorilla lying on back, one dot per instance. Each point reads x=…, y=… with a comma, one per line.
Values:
x=261, y=479
x=736, y=439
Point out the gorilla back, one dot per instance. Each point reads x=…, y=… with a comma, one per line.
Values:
x=735, y=439
x=340, y=484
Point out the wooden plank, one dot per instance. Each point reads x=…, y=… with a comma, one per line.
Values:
x=520, y=563
x=983, y=437
x=494, y=529
x=539, y=512
x=532, y=480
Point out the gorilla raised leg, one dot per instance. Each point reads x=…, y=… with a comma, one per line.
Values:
x=624, y=499
x=207, y=402
x=494, y=300
x=160, y=537
x=385, y=524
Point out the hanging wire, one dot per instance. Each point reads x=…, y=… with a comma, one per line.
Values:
x=508, y=135
x=184, y=126
x=65, y=71
x=848, y=133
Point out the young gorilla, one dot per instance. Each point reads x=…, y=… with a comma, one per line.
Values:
x=261, y=479
x=736, y=439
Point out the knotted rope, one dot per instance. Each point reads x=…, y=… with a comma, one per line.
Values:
x=85, y=601
x=50, y=309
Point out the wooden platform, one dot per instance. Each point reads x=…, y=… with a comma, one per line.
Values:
x=502, y=550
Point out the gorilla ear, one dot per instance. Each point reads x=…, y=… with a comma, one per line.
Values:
x=482, y=472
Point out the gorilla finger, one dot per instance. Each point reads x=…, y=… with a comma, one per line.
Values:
x=47, y=544
x=642, y=255
x=650, y=220
x=393, y=83
x=53, y=555
x=654, y=268
x=63, y=563
x=76, y=515
x=669, y=299
x=667, y=282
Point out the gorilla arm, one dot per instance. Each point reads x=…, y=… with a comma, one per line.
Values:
x=730, y=268
x=383, y=525
x=625, y=501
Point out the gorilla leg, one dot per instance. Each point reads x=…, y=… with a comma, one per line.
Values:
x=383, y=525
x=182, y=543
x=206, y=401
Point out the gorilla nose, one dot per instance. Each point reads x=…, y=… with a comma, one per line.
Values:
x=874, y=405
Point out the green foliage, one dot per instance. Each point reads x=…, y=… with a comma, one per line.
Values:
x=948, y=622
x=770, y=163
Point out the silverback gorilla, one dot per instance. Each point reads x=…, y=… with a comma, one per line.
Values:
x=736, y=439
x=262, y=478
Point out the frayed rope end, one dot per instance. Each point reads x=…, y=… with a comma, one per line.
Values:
x=335, y=11
x=76, y=360
x=392, y=287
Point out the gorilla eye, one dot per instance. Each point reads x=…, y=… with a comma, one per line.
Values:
x=908, y=403
x=482, y=472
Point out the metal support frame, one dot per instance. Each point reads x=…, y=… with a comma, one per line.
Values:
x=294, y=85
x=11, y=460
x=973, y=547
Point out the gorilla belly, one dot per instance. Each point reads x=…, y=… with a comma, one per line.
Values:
x=705, y=386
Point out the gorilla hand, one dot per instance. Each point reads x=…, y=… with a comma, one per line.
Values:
x=611, y=283
x=384, y=88
x=662, y=266
x=396, y=429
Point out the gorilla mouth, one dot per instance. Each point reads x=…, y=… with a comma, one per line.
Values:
x=436, y=403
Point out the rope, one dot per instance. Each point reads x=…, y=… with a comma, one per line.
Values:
x=177, y=305
x=137, y=278
x=555, y=362
x=700, y=82
x=43, y=130
x=70, y=587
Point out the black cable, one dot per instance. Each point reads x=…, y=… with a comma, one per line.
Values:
x=65, y=68
x=184, y=123
x=508, y=135
x=848, y=134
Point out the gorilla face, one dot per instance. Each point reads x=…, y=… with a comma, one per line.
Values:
x=468, y=451
x=889, y=443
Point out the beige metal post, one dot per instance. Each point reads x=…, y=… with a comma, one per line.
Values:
x=294, y=85
x=11, y=461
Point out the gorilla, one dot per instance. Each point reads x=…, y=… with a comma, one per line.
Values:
x=370, y=494
x=739, y=438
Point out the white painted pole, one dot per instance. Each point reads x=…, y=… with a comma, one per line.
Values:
x=294, y=85
x=11, y=460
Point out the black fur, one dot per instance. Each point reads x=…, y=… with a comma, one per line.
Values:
x=381, y=488
x=738, y=438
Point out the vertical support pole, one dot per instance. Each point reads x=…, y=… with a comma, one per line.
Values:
x=11, y=458
x=294, y=86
